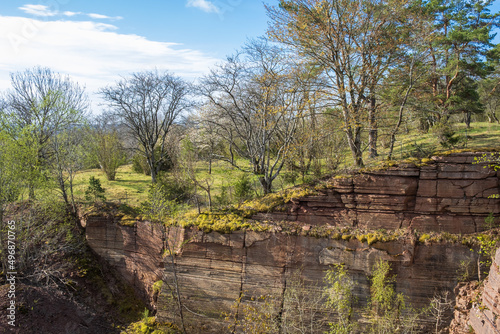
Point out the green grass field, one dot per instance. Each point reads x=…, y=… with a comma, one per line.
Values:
x=129, y=187
x=132, y=188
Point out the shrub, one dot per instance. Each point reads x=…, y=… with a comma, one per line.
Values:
x=94, y=190
x=424, y=237
x=388, y=312
x=372, y=238
x=243, y=188
x=340, y=298
x=158, y=206
x=489, y=222
x=140, y=164
x=445, y=135
x=290, y=177
x=223, y=199
x=176, y=188
x=157, y=286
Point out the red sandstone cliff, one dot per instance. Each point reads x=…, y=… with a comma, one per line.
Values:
x=477, y=307
x=448, y=194
x=134, y=251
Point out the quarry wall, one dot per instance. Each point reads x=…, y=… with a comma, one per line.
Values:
x=447, y=194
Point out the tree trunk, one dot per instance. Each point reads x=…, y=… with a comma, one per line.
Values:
x=153, y=173
x=493, y=117
x=63, y=191
x=209, y=195
x=354, y=141
x=373, y=134
x=31, y=191
x=391, y=145
x=353, y=132
x=467, y=118
x=266, y=185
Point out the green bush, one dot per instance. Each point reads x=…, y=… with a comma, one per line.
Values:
x=223, y=198
x=176, y=188
x=489, y=222
x=140, y=164
x=290, y=177
x=445, y=135
x=243, y=188
x=94, y=190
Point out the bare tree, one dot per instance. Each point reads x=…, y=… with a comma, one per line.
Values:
x=205, y=136
x=256, y=100
x=190, y=158
x=402, y=82
x=148, y=103
x=440, y=309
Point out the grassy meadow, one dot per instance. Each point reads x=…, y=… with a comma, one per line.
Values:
x=132, y=188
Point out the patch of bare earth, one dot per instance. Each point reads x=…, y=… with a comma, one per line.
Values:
x=49, y=310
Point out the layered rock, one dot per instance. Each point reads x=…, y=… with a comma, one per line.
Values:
x=449, y=194
x=478, y=307
x=213, y=269
x=134, y=251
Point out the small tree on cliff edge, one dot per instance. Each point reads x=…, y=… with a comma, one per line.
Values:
x=94, y=191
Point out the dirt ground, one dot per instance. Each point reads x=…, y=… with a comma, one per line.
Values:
x=64, y=287
x=47, y=310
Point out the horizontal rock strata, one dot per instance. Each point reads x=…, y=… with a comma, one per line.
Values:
x=134, y=251
x=213, y=269
x=449, y=194
x=484, y=316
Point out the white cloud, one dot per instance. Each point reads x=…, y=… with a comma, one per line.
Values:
x=45, y=11
x=204, y=5
x=38, y=10
x=93, y=54
x=100, y=16
x=68, y=13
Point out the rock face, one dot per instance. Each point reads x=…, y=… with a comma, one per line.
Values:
x=478, y=306
x=449, y=194
x=212, y=270
x=485, y=315
x=134, y=251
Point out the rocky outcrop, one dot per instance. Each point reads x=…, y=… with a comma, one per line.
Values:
x=448, y=194
x=134, y=251
x=477, y=307
x=213, y=269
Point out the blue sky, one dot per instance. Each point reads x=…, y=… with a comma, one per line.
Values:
x=96, y=42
